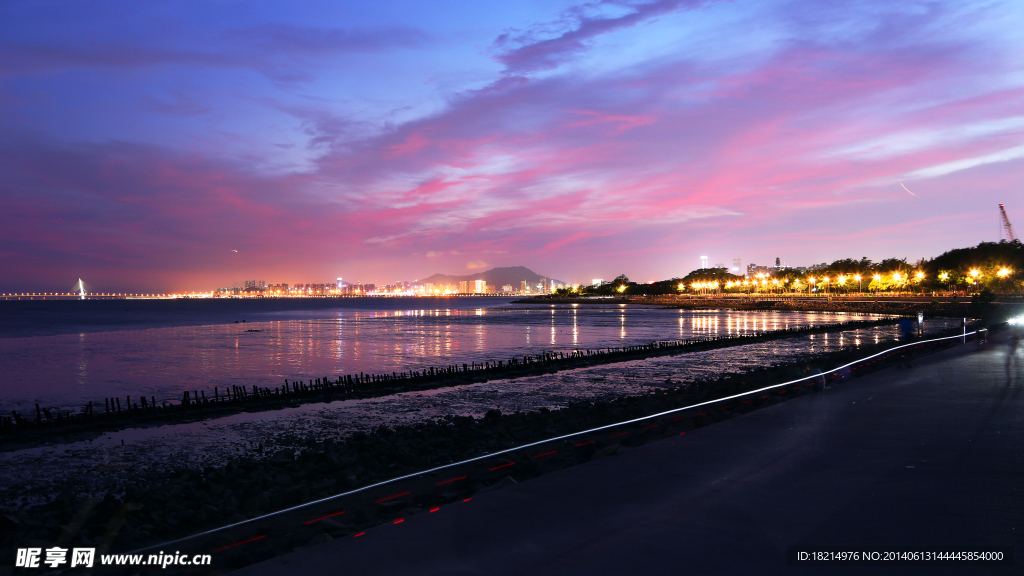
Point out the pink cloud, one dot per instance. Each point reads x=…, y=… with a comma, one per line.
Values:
x=797, y=152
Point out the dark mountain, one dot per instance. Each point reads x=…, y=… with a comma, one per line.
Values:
x=511, y=275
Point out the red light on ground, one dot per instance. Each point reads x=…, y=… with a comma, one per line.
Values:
x=399, y=520
x=681, y=433
x=467, y=499
x=649, y=427
x=746, y=402
x=678, y=419
x=725, y=407
x=546, y=454
x=240, y=543
x=503, y=466
x=452, y=480
x=325, y=517
x=358, y=535
x=391, y=497
x=583, y=444
x=619, y=434
x=701, y=413
x=435, y=508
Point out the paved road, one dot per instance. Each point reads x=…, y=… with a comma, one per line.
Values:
x=930, y=455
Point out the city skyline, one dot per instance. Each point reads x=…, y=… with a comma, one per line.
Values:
x=176, y=147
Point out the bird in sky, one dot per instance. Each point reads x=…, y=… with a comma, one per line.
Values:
x=233, y=250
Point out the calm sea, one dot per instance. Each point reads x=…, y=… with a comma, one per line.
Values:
x=63, y=354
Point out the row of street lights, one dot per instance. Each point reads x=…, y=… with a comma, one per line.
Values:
x=762, y=280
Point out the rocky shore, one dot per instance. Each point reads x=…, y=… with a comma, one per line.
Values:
x=152, y=510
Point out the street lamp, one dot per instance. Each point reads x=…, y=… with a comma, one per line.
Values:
x=1002, y=274
x=878, y=283
x=860, y=285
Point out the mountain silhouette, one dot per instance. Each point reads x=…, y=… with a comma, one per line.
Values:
x=510, y=275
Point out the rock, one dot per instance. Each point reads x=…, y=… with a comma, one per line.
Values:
x=283, y=456
x=299, y=493
x=9, y=522
x=331, y=525
x=503, y=483
x=65, y=495
x=606, y=451
x=320, y=539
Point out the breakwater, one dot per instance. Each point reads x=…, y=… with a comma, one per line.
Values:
x=151, y=510
x=202, y=404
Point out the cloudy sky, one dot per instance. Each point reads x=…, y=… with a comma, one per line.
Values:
x=143, y=143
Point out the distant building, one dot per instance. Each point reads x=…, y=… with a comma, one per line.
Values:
x=596, y=282
x=737, y=265
x=479, y=287
x=507, y=288
x=463, y=287
x=754, y=269
x=523, y=287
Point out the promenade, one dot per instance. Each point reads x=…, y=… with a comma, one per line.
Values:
x=932, y=455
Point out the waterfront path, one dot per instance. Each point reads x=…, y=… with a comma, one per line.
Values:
x=931, y=455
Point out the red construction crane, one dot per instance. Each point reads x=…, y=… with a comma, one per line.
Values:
x=1006, y=223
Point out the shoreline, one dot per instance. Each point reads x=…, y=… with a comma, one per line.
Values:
x=188, y=500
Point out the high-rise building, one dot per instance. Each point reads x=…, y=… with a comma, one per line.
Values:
x=737, y=265
x=479, y=287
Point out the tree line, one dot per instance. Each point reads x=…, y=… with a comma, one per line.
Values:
x=994, y=266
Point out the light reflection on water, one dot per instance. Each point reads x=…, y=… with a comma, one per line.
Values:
x=68, y=370
x=102, y=462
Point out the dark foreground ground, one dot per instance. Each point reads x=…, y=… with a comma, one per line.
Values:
x=929, y=456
